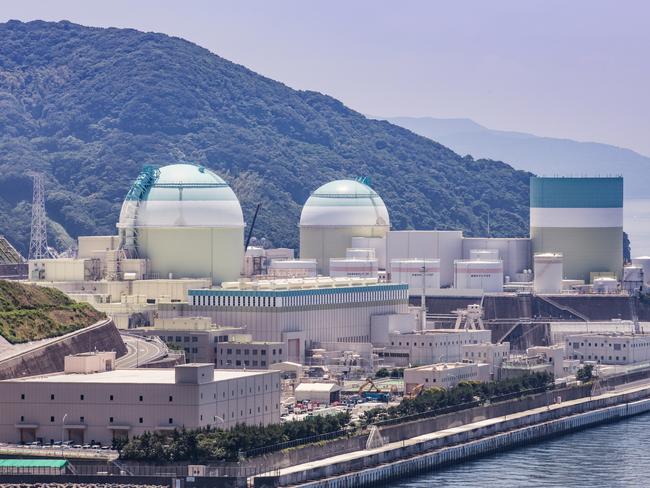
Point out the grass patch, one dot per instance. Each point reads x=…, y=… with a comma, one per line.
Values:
x=29, y=313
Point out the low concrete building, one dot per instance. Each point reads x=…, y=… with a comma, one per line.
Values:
x=205, y=342
x=609, y=348
x=242, y=352
x=102, y=406
x=488, y=353
x=445, y=375
x=324, y=393
x=430, y=346
x=554, y=355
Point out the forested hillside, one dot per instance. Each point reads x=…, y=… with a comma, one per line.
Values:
x=89, y=107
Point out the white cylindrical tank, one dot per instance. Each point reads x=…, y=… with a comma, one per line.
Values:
x=334, y=214
x=478, y=275
x=484, y=254
x=351, y=267
x=548, y=272
x=605, y=285
x=643, y=262
x=409, y=271
x=186, y=220
x=376, y=243
x=445, y=245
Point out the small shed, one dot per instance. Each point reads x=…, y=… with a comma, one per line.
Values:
x=324, y=393
x=33, y=466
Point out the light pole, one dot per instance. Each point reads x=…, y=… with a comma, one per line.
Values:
x=63, y=432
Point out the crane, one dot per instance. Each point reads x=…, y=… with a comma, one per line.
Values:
x=377, y=394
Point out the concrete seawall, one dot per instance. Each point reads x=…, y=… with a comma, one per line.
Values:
x=423, y=452
x=448, y=455
x=49, y=357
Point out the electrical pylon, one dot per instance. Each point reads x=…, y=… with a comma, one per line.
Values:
x=38, y=248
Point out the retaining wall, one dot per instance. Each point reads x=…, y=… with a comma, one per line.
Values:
x=49, y=357
x=534, y=433
x=410, y=459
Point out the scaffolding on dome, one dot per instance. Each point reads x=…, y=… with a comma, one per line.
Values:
x=128, y=230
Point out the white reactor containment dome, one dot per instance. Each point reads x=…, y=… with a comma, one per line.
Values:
x=334, y=214
x=186, y=220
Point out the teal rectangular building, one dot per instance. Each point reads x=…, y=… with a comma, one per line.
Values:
x=582, y=218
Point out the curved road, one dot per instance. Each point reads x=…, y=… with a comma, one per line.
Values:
x=140, y=351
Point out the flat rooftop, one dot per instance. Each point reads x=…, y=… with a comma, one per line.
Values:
x=131, y=376
x=444, y=366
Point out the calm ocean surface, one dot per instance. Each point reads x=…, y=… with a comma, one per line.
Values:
x=610, y=455
x=636, y=222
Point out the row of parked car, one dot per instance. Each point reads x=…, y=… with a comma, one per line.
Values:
x=67, y=445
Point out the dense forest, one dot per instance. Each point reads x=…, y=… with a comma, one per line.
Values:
x=88, y=107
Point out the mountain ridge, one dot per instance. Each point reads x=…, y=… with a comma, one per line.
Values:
x=544, y=156
x=88, y=107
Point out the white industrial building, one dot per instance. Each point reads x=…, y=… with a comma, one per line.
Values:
x=548, y=275
x=430, y=346
x=444, y=375
x=293, y=268
x=478, y=275
x=416, y=273
x=358, y=262
x=323, y=393
x=257, y=260
x=334, y=214
x=560, y=330
x=488, y=353
x=104, y=405
x=580, y=218
x=609, y=348
x=450, y=247
x=300, y=312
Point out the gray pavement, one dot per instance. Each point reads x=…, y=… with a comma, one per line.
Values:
x=140, y=351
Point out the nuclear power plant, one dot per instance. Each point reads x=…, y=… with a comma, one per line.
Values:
x=179, y=252
x=186, y=221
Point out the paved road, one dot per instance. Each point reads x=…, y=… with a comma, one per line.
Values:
x=140, y=351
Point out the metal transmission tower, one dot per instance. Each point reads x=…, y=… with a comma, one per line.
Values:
x=38, y=243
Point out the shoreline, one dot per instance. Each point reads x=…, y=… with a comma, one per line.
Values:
x=425, y=452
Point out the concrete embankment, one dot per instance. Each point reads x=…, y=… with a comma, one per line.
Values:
x=49, y=357
x=428, y=451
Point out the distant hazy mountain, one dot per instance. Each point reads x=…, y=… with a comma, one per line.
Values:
x=539, y=155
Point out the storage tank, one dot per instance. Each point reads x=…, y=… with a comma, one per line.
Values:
x=548, y=272
x=186, y=220
x=605, y=285
x=478, y=275
x=376, y=243
x=644, y=263
x=444, y=245
x=409, y=271
x=582, y=218
x=334, y=214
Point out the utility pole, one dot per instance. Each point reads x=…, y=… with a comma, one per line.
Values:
x=423, y=297
x=38, y=248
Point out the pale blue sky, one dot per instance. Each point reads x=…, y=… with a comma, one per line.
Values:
x=578, y=69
